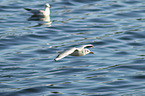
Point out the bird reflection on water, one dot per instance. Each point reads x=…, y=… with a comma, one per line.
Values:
x=40, y=18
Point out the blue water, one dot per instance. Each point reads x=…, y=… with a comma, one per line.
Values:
x=28, y=48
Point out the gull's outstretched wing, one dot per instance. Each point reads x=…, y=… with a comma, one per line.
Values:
x=85, y=46
x=65, y=53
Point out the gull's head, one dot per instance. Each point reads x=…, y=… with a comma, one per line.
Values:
x=47, y=5
x=87, y=51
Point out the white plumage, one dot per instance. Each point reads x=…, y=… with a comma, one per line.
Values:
x=45, y=12
x=81, y=51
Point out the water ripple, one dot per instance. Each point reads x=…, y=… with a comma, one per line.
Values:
x=29, y=47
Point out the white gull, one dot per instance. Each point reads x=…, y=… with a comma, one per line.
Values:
x=81, y=51
x=45, y=12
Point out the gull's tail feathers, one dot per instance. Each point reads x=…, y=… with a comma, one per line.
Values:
x=27, y=9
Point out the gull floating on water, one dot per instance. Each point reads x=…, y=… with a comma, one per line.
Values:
x=40, y=15
x=81, y=51
x=45, y=12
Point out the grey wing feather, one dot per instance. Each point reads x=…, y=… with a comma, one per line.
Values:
x=34, y=11
x=65, y=53
x=86, y=46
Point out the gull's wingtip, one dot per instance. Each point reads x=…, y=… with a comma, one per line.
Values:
x=89, y=46
x=27, y=9
x=56, y=59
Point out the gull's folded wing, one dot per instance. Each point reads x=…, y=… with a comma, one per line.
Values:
x=34, y=11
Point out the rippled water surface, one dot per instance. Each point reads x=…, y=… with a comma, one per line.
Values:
x=28, y=48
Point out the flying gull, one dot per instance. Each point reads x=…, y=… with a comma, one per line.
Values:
x=81, y=51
